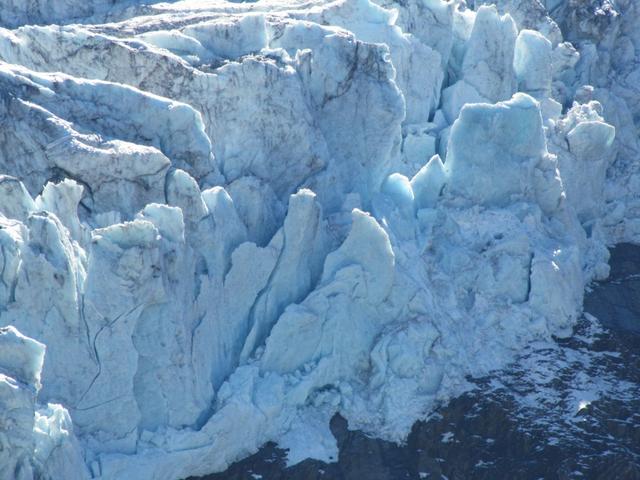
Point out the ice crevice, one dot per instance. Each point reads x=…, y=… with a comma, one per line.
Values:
x=223, y=223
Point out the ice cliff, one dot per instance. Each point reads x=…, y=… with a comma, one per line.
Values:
x=222, y=223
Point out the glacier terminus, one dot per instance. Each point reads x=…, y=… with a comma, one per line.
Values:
x=222, y=223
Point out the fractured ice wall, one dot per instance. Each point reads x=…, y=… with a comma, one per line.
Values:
x=228, y=221
x=36, y=441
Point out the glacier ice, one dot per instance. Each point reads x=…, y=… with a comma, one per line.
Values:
x=222, y=223
x=37, y=441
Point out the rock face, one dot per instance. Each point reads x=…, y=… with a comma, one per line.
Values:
x=615, y=302
x=229, y=222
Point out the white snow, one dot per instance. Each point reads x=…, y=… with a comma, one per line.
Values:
x=229, y=221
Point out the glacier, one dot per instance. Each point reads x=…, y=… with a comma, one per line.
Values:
x=222, y=223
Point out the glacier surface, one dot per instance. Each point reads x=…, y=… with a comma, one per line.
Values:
x=222, y=223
